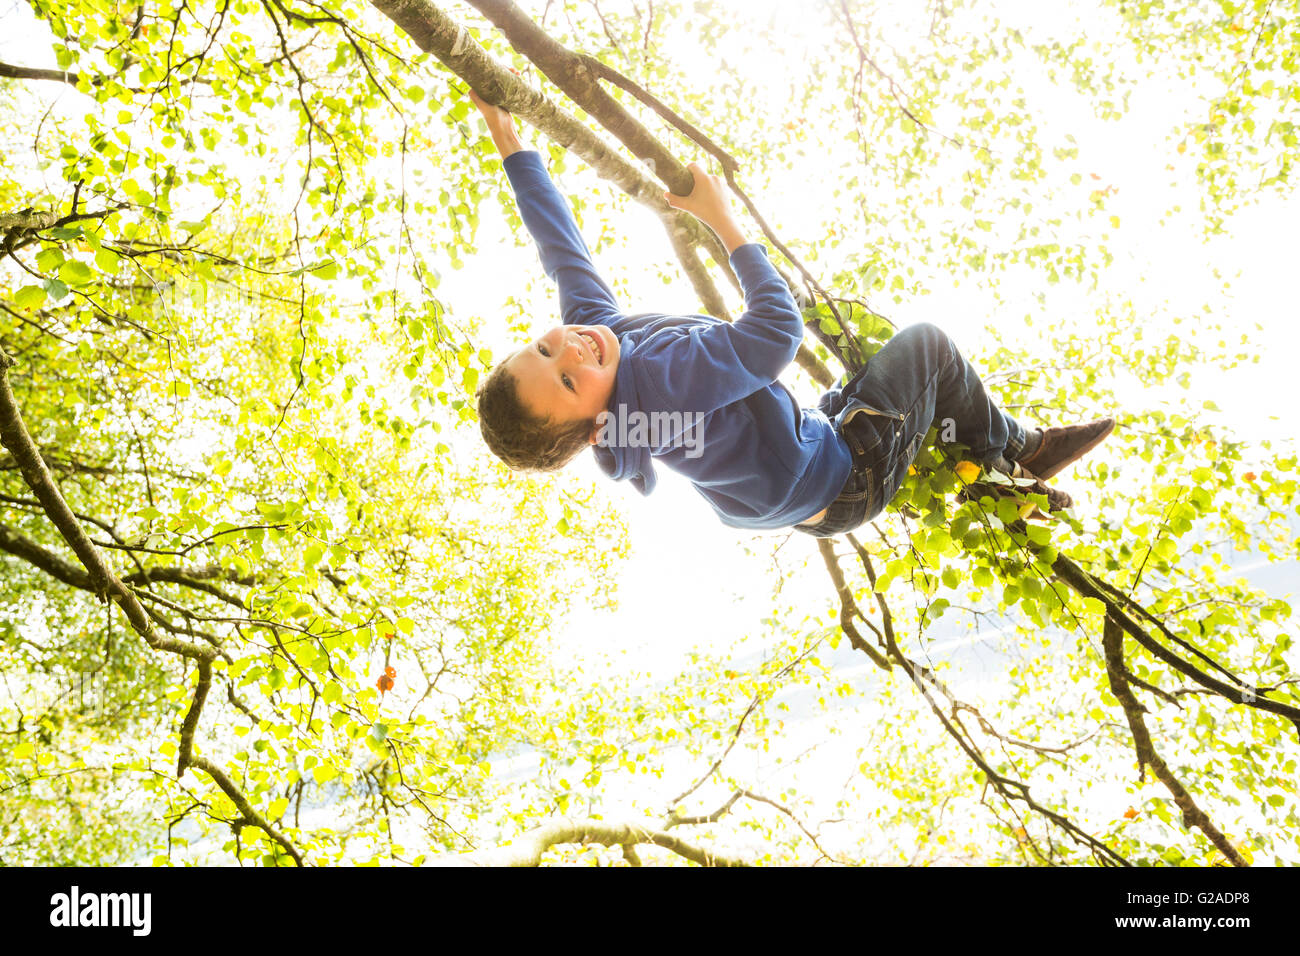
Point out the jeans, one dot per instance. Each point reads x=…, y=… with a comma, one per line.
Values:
x=885, y=410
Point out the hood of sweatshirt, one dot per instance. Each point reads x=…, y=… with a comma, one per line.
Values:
x=634, y=461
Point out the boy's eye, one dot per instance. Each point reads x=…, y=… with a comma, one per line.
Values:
x=567, y=383
x=542, y=348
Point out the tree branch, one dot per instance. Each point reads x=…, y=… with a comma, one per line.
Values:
x=1193, y=815
x=12, y=72
x=528, y=849
x=14, y=436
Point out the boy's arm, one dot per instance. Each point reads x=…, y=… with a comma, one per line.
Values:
x=585, y=298
x=704, y=367
x=725, y=362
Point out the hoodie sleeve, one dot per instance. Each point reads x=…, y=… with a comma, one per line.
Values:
x=704, y=367
x=585, y=299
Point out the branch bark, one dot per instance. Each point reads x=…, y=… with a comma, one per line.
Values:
x=574, y=76
x=13, y=72
x=1193, y=815
x=528, y=849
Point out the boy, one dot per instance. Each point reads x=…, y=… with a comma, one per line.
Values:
x=702, y=397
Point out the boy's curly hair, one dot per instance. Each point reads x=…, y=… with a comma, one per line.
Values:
x=517, y=436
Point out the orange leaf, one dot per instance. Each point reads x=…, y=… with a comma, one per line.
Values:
x=1130, y=814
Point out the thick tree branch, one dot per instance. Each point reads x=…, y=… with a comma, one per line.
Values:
x=573, y=75
x=435, y=32
x=250, y=817
x=528, y=849
x=1085, y=585
x=12, y=72
x=57, y=567
x=1193, y=815
x=14, y=436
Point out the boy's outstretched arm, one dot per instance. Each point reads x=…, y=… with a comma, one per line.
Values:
x=729, y=361
x=585, y=298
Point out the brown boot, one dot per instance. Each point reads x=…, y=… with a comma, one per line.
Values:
x=1061, y=447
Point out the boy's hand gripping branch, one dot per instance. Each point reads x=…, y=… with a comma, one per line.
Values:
x=500, y=124
x=709, y=201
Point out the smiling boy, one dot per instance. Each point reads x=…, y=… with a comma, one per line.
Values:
x=728, y=425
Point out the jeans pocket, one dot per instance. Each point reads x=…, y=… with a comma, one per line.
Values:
x=860, y=426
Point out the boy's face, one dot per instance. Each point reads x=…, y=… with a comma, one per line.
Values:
x=567, y=375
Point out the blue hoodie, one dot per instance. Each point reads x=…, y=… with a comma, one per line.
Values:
x=757, y=457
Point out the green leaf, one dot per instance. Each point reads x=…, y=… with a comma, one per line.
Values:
x=74, y=272
x=1008, y=510
x=49, y=259
x=1039, y=534
x=29, y=297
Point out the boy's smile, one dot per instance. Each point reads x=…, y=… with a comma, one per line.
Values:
x=568, y=374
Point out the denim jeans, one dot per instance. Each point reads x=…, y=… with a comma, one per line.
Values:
x=884, y=412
